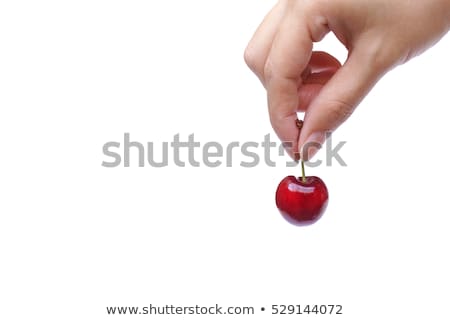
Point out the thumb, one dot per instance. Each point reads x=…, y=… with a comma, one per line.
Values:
x=336, y=101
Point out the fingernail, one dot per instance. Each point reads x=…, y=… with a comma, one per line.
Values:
x=288, y=147
x=312, y=145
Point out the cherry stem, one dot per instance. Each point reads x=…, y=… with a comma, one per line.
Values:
x=299, y=124
x=303, y=172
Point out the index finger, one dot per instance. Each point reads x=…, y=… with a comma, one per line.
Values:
x=289, y=56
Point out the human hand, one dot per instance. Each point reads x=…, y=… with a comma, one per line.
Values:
x=379, y=35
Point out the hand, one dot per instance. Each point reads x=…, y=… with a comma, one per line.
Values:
x=379, y=35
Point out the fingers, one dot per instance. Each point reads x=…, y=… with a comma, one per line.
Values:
x=280, y=55
x=259, y=46
x=288, y=58
x=336, y=101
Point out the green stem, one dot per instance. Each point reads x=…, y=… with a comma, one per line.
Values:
x=303, y=172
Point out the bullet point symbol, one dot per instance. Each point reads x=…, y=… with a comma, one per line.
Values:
x=263, y=309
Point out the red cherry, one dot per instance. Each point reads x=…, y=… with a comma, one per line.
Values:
x=302, y=201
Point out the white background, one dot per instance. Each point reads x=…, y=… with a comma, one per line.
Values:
x=76, y=237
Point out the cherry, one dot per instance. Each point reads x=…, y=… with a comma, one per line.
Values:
x=303, y=200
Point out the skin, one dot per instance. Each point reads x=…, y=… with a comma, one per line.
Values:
x=379, y=35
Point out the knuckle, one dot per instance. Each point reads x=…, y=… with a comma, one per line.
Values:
x=278, y=119
x=339, y=110
x=381, y=55
x=379, y=60
x=251, y=59
x=268, y=70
